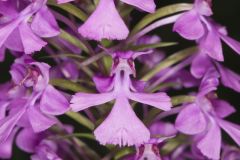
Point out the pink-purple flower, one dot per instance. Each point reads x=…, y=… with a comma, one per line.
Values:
x=117, y=128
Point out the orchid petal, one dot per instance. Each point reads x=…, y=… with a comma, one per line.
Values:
x=31, y=42
x=191, y=120
x=81, y=101
x=32, y=139
x=210, y=144
x=189, y=26
x=145, y=5
x=44, y=23
x=229, y=78
x=232, y=129
x=235, y=45
x=53, y=102
x=159, y=100
x=38, y=120
x=105, y=22
x=122, y=126
x=211, y=44
x=223, y=108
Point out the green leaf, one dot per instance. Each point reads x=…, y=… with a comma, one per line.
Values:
x=73, y=40
x=68, y=7
x=81, y=119
x=69, y=85
x=169, y=61
x=161, y=12
x=152, y=46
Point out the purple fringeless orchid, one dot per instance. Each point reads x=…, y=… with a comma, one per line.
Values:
x=22, y=26
x=205, y=117
x=111, y=25
x=121, y=126
x=31, y=107
x=196, y=24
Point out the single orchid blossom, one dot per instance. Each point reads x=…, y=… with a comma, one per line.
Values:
x=41, y=146
x=22, y=31
x=34, y=109
x=204, y=30
x=116, y=128
x=204, y=118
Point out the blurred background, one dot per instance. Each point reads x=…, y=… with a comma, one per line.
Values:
x=226, y=13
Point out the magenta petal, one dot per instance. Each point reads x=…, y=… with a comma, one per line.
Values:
x=6, y=30
x=38, y=120
x=81, y=101
x=200, y=64
x=122, y=126
x=229, y=78
x=6, y=146
x=27, y=140
x=31, y=42
x=104, y=23
x=53, y=102
x=159, y=100
x=145, y=5
x=210, y=144
x=223, y=108
x=235, y=45
x=44, y=23
x=191, y=120
x=232, y=129
x=14, y=41
x=7, y=124
x=103, y=84
x=211, y=44
x=190, y=18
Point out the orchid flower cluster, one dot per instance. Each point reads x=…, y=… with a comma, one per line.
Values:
x=85, y=73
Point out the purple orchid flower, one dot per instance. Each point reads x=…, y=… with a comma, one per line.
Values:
x=116, y=129
x=228, y=78
x=111, y=25
x=41, y=146
x=203, y=29
x=204, y=118
x=37, y=144
x=18, y=33
x=39, y=103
